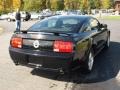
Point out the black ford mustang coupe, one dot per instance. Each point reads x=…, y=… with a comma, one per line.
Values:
x=60, y=43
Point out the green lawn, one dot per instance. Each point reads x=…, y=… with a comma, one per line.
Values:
x=111, y=17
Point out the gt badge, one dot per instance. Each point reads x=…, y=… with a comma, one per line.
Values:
x=36, y=44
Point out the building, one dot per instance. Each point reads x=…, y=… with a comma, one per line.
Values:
x=117, y=5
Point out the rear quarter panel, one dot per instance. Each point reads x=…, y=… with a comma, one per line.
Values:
x=82, y=45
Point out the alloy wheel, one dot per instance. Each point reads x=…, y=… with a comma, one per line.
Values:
x=90, y=61
x=108, y=42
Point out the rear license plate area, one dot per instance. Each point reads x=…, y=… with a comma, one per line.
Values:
x=35, y=60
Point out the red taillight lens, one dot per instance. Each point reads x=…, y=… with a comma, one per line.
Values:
x=63, y=46
x=16, y=42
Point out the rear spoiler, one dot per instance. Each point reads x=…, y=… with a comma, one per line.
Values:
x=22, y=31
x=55, y=33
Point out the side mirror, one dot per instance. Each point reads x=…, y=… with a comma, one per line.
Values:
x=88, y=28
x=104, y=26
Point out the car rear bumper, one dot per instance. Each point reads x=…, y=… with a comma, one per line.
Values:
x=44, y=59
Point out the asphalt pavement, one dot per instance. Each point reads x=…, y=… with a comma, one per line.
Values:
x=105, y=74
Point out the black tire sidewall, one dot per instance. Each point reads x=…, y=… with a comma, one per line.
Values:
x=106, y=44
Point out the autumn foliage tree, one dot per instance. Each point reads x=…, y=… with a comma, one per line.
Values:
x=107, y=4
x=32, y=5
x=98, y=4
x=5, y=5
x=10, y=5
x=57, y=4
x=72, y=4
x=37, y=5
x=16, y=4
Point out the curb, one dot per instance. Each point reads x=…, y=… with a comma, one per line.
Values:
x=1, y=30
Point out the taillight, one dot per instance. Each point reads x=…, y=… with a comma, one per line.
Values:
x=16, y=42
x=63, y=46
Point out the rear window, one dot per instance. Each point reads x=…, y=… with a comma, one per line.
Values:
x=55, y=24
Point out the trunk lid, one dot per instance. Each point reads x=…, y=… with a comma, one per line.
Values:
x=42, y=41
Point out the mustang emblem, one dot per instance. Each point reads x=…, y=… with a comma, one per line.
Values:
x=36, y=44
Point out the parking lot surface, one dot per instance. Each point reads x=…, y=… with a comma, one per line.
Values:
x=105, y=74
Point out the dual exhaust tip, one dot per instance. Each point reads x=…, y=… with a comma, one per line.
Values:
x=59, y=70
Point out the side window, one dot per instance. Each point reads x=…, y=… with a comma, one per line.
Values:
x=85, y=28
x=94, y=24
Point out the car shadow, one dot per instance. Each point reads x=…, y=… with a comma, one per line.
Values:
x=106, y=66
x=112, y=84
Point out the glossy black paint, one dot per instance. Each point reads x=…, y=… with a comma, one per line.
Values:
x=87, y=37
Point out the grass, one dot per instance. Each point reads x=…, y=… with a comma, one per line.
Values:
x=111, y=17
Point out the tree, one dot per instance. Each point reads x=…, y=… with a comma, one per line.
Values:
x=67, y=4
x=98, y=4
x=53, y=4
x=92, y=4
x=5, y=5
x=22, y=5
x=32, y=5
x=43, y=4
x=16, y=4
x=60, y=4
x=106, y=4
x=48, y=5
x=84, y=5
x=72, y=4
x=27, y=5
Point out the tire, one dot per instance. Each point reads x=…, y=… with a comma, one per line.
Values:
x=39, y=18
x=89, y=62
x=16, y=63
x=9, y=20
x=107, y=44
